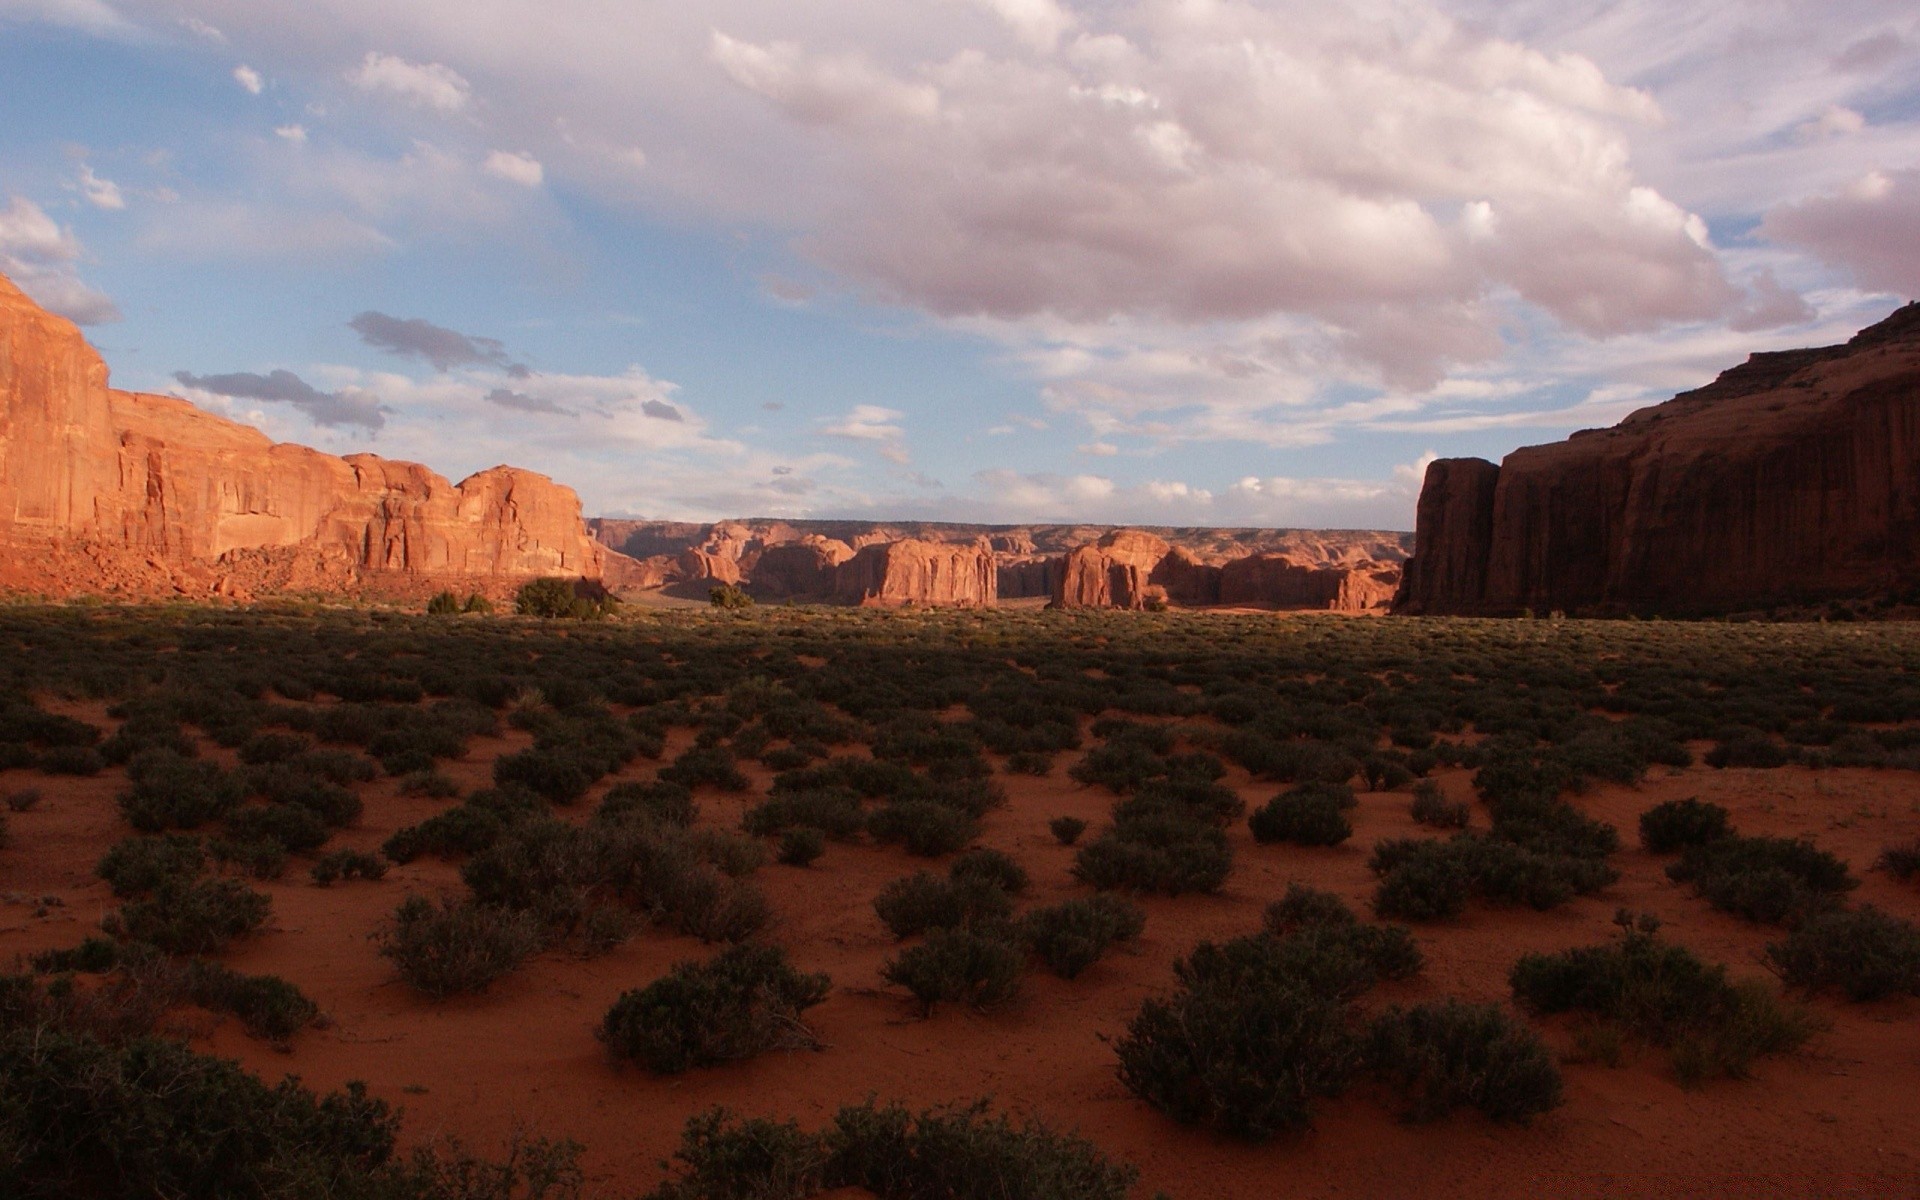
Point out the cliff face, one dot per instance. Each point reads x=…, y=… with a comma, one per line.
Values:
x=1114, y=572
x=1791, y=478
x=108, y=490
x=891, y=574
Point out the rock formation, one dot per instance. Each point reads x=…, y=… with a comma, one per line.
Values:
x=892, y=574
x=1794, y=477
x=1114, y=572
x=102, y=490
x=803, y=569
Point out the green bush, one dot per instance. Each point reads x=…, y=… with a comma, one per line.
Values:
x=920, y=902
x=348, y=864
x=729, y=597
x=93, y=956
x=1165, y=850
x=980, y=967
x=456, y=946
x=744, y=1001
x=1066, y=830
x=443, y=604
x=293, y=828
x=24, y=799
x=262, y=858
x=724, y=1158
x=1765, y=879
x=467, y=828
x=545, y=598
x=267, y=1005
x=1071, y=936
x=991, y=866
x=190, y=916
x=926, y=828
x=1030, y=762
x=833, y=811
x=1902, y=862
x=659, y=801
x=709, y=765
x=1423, y=879
x=1865, y=953
x=137, y=865
x=1664, y=994
x=801, y=845
x=170, y=792
x=1307, y=815
x=1432, y=808
x=1682, y=824
x=1452, y=1054
x=1420, y=880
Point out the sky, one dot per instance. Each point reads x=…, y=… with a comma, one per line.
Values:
x=1178, y=262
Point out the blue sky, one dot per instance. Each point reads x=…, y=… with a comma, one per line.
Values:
x=1168, y=261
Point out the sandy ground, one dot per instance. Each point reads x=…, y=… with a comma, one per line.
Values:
x=1838, y=1119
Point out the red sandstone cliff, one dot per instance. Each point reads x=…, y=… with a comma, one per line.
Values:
x=1793, y=477
x=118, y=491
x=891, y=574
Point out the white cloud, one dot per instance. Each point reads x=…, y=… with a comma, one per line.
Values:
x=101, y=193
x=203, y=31
x=297, y=134
x=1836, y=121
x=1870, y=228
x=1040, y=23
x=523, y=169
x=249, y=79
x=432, y=85
x=88, y=16
x=42, y=258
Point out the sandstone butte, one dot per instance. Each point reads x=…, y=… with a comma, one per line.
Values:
x=104, y=491
x=1790, y=479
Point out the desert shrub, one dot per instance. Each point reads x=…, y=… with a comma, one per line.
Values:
x=429, y=783
x=1451, y=1054
x=1165, y=851
x=801, y=845
x=1902, y=862
x=920, y=902
x=666, y=803
x=1665, y=995
x=1066, y=830
x=93, y=956
x=70, y=760
x=171, y=792
x=1765, y=879
x=1420, y=880
x=1865, y=953
x=443, y=604
x=976, y=966
x=1308, y=815
x=544, y=867
x=348, y=864
x=1749, y=748
x=1432, y=808
x=1071, y=936
x=1680, y=824
x=744, y=1001
x=136, y=865
x=292, y=784
x=263, y=748
x=262, y=858
x=1384, y=773
x=293, y=828
x=456, y=946
x=712, y=906
x=1304, y=907
x=190, y=916
x=468, y=827
x=833, y=811
x=729, y=597
x=267, y=1005
x=1244, y=1044
x=559, y=775
x=721, y=1158
x=476, y=603
x=23, y=799
x=1424, y=879
x=1030, y=762
x=544, y=598
x=991, y=866
x=926, y=828
x=710, y=765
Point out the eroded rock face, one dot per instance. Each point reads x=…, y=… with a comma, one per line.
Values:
x=1792, y=478
x=892, y=574
x=1277, y=580
x=109, y=490
x=1114, y=572
x=806, y=568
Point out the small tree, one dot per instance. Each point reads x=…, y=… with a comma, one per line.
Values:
x=443, y=604
x=544, y=598
x=729, y=596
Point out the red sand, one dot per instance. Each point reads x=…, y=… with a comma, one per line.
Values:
x=1836, y=1120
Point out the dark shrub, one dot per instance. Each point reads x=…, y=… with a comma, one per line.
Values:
x=833, y=811
x=1749, y=748
x=920, y=902
x=729, y=597
x=744, y=1001
x=1030, y=762
x=348, y=864
x=1304, y=907
x=544, y=598
x=263, y=748
x=801, y=845
x=666, y=803
x=1073, y=935
x=974, y=966
x=1901, y=862
x=1308, y=815
x=1865, y=953
x=456, y=946
x=443, y=604
x=136, y=865
x=1066, y=830
x=962, y=1153
x=467, y=828
x=1420, y=880
x=1666, y=995
x=991, y=866
x=93, y=956
x=559, y=775
x=26, y=800
x=1765, y=879
x=293, y=828
x=544, y=867
x=1432, y=808
x=70, y=760
x=291, y=783
x=1449, y=1054
x=170, y=792
x=267, y=1005
x=262, y=858
x=1170, y=853
x=191, y=916
x=926, y=828
x=1244, y=1045
x=1680, y=824
x=721, y=1158
x=710, y=765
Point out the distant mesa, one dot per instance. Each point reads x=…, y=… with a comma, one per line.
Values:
x=105, y=492
x=1791, y=479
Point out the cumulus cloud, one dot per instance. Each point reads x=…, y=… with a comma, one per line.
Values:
x=876, y=424
x=249, y=79
x=415, y=337
x=521, y=402
x=523, y=169
x=88, y=16
x=101, y=193
x=346, y=407
x=43, y=259
x=1770, y=305
x=297, y=134
x=430, y=85
x=660, y=410
x=1871, y=228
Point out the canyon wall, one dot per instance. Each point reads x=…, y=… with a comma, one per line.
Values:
x=1790, y=479
x=110, y=491
x=895, y=574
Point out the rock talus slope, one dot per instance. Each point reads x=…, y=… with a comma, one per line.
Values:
x=1794, y=477
x=103, y=490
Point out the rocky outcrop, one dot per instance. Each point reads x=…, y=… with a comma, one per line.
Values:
x=1276, y=580
x=802, y=569
x=102, y=490
x=1114, y=572
x=1792, y=478
x=893, y=574
x=1131, y=569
